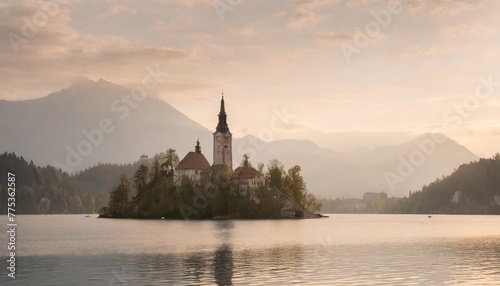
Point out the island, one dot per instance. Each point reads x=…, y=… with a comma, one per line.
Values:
x=169, y=188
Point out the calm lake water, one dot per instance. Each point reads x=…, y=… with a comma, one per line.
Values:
x=340, y=250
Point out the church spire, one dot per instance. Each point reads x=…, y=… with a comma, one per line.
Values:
x=222, y=109
x=223, y=154
x=222, y=125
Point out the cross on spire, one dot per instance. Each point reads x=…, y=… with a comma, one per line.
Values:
x=197, y=148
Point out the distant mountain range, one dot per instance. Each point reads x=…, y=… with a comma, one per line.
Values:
x=393, y=169
x=51, y=129
x=91, y=122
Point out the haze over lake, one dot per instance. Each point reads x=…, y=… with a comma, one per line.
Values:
x=340, y=250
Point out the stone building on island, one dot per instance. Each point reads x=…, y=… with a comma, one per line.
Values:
x=248, y=180
x=192, y=165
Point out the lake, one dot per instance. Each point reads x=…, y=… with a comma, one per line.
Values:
x=339, y=250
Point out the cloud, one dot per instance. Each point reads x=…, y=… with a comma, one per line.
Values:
x=464, y=30
x=135, y=55
x=349, y=37
x=336, y=38
x=117, y=10
x=304, y=18
x=360, y=3
x=194, y=3
x=160, y=25
x=279, y=14
x=420, y=50
x=315, y=3
x=437, y=7
x=244, y=31
x=304, y=15
x=57, y=52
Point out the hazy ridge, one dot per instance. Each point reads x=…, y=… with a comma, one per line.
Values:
x=43, y=129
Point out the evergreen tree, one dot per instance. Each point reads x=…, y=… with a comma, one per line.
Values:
x=246, y=162
x=171, y=160
x=276, y=174
x=141, y=181
x=119, y=201
x=75, y=204
x=295, y=185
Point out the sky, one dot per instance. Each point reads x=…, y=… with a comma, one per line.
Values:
x=343, y=73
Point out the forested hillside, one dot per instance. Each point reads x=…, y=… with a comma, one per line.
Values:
x=478, y=182
x=81, y=193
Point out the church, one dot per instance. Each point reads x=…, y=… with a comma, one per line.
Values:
x=246, y=179
x=194, y=164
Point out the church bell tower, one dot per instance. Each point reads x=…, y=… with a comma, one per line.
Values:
x=223, y=153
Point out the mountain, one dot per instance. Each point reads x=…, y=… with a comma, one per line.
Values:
x=99, y=122
x=393, y=169
x=91, y=122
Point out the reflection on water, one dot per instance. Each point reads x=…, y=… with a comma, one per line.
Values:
x=473, y=264
x=223, y=265
x=261, y=252
x=223, y=258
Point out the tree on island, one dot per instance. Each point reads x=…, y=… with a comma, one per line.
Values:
x=246, y=161
x=157, y=194
x=170, y=161
x=119, y=200
x=292, y=184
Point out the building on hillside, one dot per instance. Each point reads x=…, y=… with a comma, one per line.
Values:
x=360, y=205
x=143, y=157
x=248, y=180
x=457, y=197
x=192, y=165
x=371, y=196
x=44, y=205
x=145, y=160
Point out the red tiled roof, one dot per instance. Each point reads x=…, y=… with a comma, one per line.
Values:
x=245, y=173
x=194, y=161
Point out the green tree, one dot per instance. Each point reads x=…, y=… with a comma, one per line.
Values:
x=170, y=162
x=75, y=204
x=496, y=156
x=260, y=168
x=276, y=174
x=246, y=162
x=119, y=201
x=155, y=170
x=294, y=185
x=92, y=204
x=311, y=203
x=140, y=181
